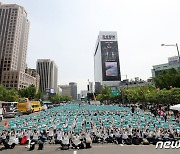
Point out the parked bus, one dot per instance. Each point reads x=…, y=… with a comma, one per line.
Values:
x=8, y=105
x=24, y=105
x=36, y=106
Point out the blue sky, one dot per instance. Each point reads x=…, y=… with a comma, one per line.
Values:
x=66, y=32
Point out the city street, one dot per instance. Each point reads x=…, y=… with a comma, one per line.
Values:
x=96, y=149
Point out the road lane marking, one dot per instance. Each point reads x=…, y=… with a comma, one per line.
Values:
x=75, y=152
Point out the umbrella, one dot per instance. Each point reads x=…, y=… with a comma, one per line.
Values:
x=175, y=107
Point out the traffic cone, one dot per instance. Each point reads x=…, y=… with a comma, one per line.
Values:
x=6, y=123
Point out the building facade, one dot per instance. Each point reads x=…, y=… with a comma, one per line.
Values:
x=106, y=59
x=48, y=73
x=83, y=94
x=33, y=72
x=73, y=86
x=65, y=90
x=14, y=30
x=90, y=87
x=173, y=62
x=69, y=90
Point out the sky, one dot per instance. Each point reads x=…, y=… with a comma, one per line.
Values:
x=66, y=31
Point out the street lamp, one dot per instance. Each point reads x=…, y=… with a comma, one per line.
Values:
x=175, y=45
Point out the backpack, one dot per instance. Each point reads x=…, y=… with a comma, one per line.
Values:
x=23, y=140
x=128, y=141
x=145, y=141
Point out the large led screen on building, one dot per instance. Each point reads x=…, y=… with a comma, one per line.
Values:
x=111, y=68
x=110, y=61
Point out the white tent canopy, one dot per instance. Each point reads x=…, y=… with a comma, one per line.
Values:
x=175, y=107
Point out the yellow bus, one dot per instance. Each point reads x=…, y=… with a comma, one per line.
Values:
x=24, y=105
x=36, y=106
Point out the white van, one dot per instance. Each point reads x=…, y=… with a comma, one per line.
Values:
x=1, y=114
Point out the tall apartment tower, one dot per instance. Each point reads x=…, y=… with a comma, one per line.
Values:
x=48, y=72
x=106, y=60
x=73, y=86
x=14, y=30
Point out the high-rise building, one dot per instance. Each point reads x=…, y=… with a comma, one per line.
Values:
x=34, y=73
x=98, y=87
x=69, y=90
x=106, y=59
x=84, y=93
x=173, y=62
x=48, y=72
x=73, y=86
x=65, y=90
x=14, y=30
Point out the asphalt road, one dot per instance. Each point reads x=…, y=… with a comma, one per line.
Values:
x=96, y=149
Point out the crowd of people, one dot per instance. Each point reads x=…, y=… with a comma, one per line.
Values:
x=78, y=126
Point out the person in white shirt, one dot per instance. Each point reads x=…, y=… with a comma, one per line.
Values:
x=58, y=139
x=76, y=141
x=65, y=141
x=118, y=136
x=12, y=140
x=51, y=135
x=88, y=139
x=35, y=136
x=124, y=136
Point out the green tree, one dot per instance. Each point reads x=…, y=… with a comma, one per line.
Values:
x=104, y=95
x=8, y=95
x=12, y=95
x=174, y=96
x=163, y=96
x=39, y=95
x=56, y=98
x=29, y=92
x=66, y=98
x=168, y=78
x=3, y=93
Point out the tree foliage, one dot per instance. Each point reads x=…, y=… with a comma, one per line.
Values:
x=104, y=95
x=142, y=94
x=8, y=95
x=168, y=78
x=29, y=92
x=58, y=98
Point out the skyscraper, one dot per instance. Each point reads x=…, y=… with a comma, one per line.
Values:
x=69, y=90
x=106, y=59
x=73, y=86
x=48, y=72
x=14, y=30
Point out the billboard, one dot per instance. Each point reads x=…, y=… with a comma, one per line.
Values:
x=110, y=61
x=111, y=68
x=50, y=90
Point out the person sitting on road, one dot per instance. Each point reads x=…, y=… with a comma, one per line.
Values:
x=65, y=141
x=88, y=139
x=124, y=136
x=51, y=135
x=58, y=138
x=35, y=136
x=166, y=136
x=76, y=143
x=118, y=136
x=13, y=140
x=150, y=136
